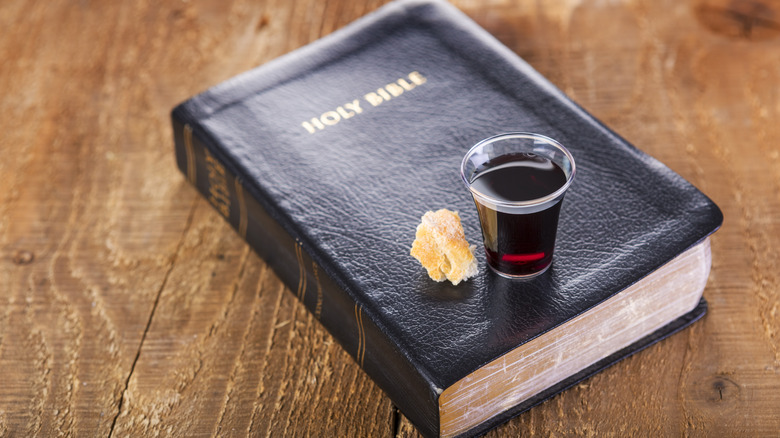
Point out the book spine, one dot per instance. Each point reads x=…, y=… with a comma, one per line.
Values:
x=344, y=318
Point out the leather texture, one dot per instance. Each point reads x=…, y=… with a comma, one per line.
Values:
x=338, y=207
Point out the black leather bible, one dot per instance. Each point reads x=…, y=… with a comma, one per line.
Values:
x=325, y=159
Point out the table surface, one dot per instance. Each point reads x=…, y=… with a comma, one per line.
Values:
x=129, y=307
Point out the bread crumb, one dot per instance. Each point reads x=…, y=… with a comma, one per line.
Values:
x=441, y=247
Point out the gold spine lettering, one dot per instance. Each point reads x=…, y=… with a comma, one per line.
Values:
x=219, y=195
x=394, y=89
x=374, y=99
x=192, y=174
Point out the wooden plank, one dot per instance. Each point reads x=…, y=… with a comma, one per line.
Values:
x=231, y=351
x=128, y=307
x=90, y=220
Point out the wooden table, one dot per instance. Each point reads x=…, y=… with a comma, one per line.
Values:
x=129, y=307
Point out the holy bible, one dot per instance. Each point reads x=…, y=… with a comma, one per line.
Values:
x=325, y=159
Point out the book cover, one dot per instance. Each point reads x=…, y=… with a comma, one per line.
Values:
x=325, y=159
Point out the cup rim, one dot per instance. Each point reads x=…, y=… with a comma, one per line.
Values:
x=519, y=134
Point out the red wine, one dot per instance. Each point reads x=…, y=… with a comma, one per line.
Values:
x=519, y=244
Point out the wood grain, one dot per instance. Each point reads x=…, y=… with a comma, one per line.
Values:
x=128, y=307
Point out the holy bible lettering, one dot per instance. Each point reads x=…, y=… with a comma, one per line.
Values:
x=374, y=98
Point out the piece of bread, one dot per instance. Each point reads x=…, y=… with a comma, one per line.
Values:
x=441, y=246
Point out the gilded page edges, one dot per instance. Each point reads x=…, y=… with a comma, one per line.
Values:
x=534, y=366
